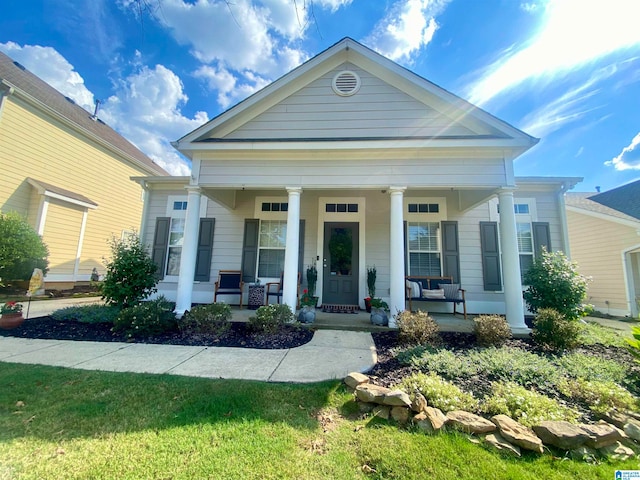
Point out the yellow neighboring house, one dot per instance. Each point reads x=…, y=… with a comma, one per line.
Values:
x=67, y=173
x=604, y=234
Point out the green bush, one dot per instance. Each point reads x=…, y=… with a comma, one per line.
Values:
x=130, y=273
x=600, y=396
x=417, y=328
x=552, y=331
x=587, y=367
x=491, y=329
x=634, y=343
x=88, y=314
x=21, y=249
x=270, y=318
x=210, y=319
x=525, y=406
x=438, y=392
x=554, y=282
x=146, y=319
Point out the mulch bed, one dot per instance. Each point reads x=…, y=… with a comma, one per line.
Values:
x=239, y=335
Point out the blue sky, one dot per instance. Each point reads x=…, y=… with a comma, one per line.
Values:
x=566, y=71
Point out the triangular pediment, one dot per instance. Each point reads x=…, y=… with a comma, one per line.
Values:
x=390, y=103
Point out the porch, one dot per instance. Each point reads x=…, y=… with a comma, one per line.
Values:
x=360, y=321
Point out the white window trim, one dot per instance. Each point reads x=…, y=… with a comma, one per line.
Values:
x=262, y=216
x=425, y=217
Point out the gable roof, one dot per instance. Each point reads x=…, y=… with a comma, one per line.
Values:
x=17, y=80
x=584, y=202
x=347, y=50
x=625, y=199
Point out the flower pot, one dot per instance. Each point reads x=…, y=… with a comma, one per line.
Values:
x=367, y=304
x=307, y=314
x=11, y=320
x=379, y=317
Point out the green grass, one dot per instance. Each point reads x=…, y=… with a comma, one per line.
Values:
x=62, y=423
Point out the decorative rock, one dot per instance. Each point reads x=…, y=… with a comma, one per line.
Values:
x=397, y=398
x=617, y=451
x=616, y=418
x=497, y=442
x=419, y=404
x=602, y=434
x=382, y=411
x=632, y=428
x=584, y=454
x=517, y=433
x=469, y=422
x=356, y=378
x=435, y=417
x=400, y=414
x=367, y=392
x=366, y=407
x=561, y=434
x=421, y=421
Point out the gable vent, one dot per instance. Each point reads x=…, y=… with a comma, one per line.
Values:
x=346, y=83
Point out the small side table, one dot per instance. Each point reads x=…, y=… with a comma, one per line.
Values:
x=256, y=296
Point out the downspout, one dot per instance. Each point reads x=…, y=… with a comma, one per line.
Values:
x=564, y=227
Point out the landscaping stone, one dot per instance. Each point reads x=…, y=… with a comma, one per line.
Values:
x=397, y=398
x=561, y=434
x=368, y=392
x=356, y=378
x=469, y=422
x=382, y=411
x=584, y=453
x=419, y=404
x=366, y=407
x=497, y=442
x=400, y=414
x=632, y=429
x=602, y=434
x=617, y=451
x=435, y=417
x=616, y=418
x=517, y=433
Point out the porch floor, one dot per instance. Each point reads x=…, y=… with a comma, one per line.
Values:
x=447, y=322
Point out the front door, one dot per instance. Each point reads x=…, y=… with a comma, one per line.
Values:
x=340, y=265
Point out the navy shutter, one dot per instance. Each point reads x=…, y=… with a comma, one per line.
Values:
x=490, y=248
x=541, y=237
x=160, y=240
x=250, y=249
x=205, y=248
x=450, y=251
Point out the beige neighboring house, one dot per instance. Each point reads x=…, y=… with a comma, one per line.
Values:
x=604, y=235
x=67, y=173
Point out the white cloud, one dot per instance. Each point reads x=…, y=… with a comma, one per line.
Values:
x=629, y=157
x=230, y=90
x=574, y=33
x=408, y=26
x=146, y=110
x=53, y=68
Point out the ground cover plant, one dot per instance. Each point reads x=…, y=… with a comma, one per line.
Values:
x=74, y=424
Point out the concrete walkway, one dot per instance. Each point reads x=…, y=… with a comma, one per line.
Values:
x=329, y=355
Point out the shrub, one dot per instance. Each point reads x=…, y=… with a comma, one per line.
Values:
x=210, y=319
x=587, y=367
x=270, y=318
x=21, y=249
x=526, y=406
x=88, y=314
x=417, y=328
x=130, y=273
x=443, y=362
x=491, y=329
x=600, y=396
x=552, y=331
x=634, y=343
x=146, y=319
x=554, y=282
x=438, y=392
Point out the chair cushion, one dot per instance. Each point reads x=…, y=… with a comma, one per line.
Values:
x=439, y=282
x=230, y=280
x=451, y=291
x=415, y=289
x=436, y=293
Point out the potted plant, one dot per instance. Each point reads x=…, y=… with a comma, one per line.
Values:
x=312, y=280
x=307, y=313
x=371, y=287
x=11, y=315
x=379, y=309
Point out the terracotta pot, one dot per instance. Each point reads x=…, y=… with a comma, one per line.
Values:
x=11, y=320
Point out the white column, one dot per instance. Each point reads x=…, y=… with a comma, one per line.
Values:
x=514, y=305
x=396, y=254
x=189, y=252
x=289, y=294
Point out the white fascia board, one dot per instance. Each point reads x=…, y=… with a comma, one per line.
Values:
x=162, y=181
x=603, y=216
x=548, y=183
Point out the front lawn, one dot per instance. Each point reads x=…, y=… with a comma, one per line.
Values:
x=63, y=423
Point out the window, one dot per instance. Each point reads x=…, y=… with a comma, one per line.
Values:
x=424, y=248
x=176, y=237
x=423, y=208
x=275, y=206
x=525, y=246
x=341, y=207
x=271, y=246
x=180, y=206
